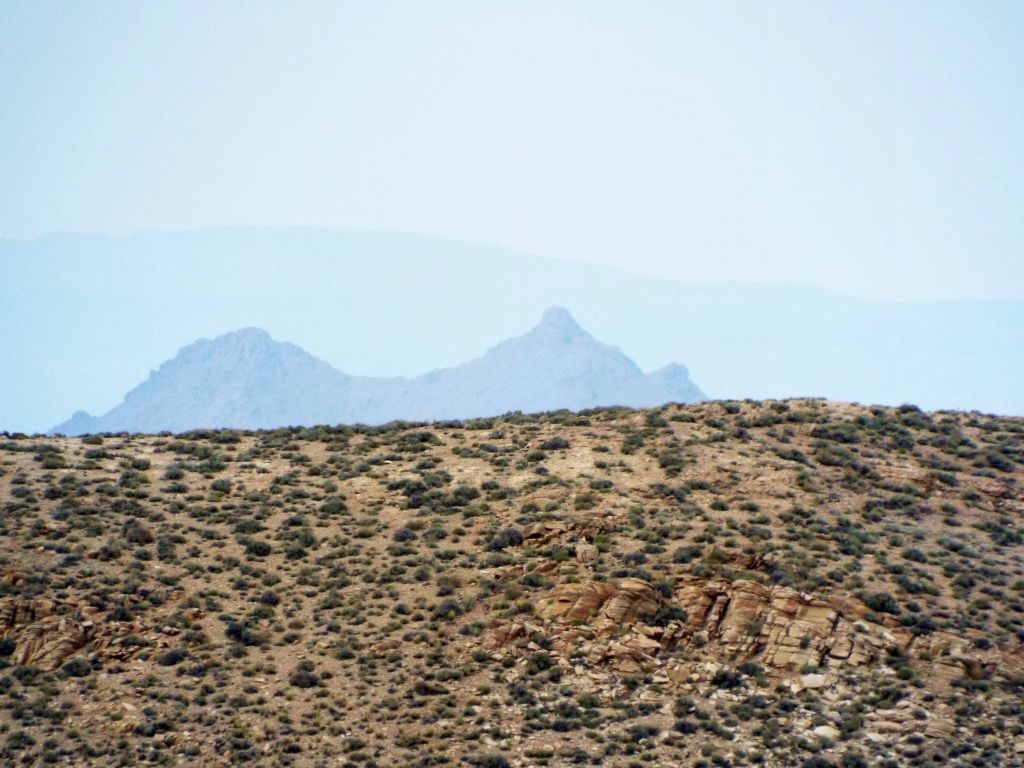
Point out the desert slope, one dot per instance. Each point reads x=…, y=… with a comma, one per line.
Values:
x=798, y=583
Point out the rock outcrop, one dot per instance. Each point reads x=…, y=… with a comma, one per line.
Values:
x=47, y=633
x=605, y=606
x=627, y=624
x=780, y=626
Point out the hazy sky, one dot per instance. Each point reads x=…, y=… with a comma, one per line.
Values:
x=875, y=148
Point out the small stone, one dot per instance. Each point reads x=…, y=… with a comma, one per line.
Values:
x=826, y=732
x=813, y=680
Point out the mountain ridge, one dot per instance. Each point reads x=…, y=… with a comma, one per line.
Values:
x=246, y=379
x=400, y=305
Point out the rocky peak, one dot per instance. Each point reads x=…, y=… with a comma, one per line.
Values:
x=249, y=335
x=246, y=379
x=558, y=323
x=244, y=340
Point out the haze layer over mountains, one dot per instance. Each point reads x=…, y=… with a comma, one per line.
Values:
x=247, y=380
x=87, y=317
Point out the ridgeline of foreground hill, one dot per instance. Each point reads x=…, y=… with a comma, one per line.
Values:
x=797, y=583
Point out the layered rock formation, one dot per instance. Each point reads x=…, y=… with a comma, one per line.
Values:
x=606, y=607
x=48, y=633
x=627, y=624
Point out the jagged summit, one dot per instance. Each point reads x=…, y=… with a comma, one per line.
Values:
x=242, y=379
x=247, y=379
x=250, y=333
x=559, y=320
x=250, y=339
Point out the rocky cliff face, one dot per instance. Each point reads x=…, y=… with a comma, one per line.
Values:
x=624, y=625
x=48, y=633
x=246, y=380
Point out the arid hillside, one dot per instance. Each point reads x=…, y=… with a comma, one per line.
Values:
x=798, y=583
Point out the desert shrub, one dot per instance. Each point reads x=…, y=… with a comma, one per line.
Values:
x=76, y=668
x=510, y=537
x=248, y=526
x=685, y=726
x=488, y=761
x=257, y=548
x=555, y=444
x=135, y=532
x=881, y=602
x=671, y=460
x=20, y=740
x=838, y=433
x=464, y=494
x=916, y=555
x=152, y=728
x=334, y=505
x=240, y=633
x=304, y=676
x=447, y=609
x=727, y=678
x=404, y=534
x=666, y=614
x=751, y=668
x=172, y=657
x=687, y=553
x=997, y=461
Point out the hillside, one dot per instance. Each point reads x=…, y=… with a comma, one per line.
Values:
x=798, y=583
x=247, y=380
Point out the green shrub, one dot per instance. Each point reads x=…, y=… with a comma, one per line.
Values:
x=510, y=537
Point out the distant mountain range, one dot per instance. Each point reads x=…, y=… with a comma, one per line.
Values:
x=84, y=318
x=247, y=380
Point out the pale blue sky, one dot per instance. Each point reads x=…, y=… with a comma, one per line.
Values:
x=874, y=148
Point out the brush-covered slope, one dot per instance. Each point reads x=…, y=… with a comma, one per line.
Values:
x=247, y=380
x=796, y=583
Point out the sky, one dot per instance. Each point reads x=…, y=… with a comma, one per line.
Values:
x=874, y=148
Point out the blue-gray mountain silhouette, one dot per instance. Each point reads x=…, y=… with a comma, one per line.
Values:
x=247, y=380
